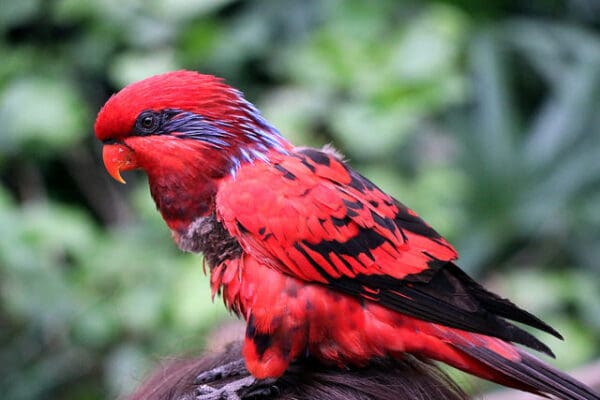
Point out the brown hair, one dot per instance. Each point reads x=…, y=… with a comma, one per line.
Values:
x=384, y=379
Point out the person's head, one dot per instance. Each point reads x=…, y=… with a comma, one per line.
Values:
x=384, y=379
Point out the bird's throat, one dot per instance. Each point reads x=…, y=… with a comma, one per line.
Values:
x=181, y=203
x=183, y=177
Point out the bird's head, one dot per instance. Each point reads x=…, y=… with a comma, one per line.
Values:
x=186, y=131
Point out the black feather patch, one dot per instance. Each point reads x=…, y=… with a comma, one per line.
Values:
x=447, y=296
x=413, y=223
x=317, y=156
x=362, y=243
x=262, y=341
x=286, y=174
x=496, y=304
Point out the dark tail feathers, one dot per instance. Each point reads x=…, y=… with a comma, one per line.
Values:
x=534, y=374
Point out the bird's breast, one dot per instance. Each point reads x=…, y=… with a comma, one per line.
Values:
x=208, y=236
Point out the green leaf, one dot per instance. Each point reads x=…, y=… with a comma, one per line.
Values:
x=133, y=66
x=40, y=116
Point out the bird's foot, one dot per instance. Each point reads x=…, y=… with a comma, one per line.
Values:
x=234, y=368
x=244, y=388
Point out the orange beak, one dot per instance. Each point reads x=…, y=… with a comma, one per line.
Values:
x=118, y=157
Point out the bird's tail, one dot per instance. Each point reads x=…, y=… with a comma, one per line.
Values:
x=498, y=361
x=525, y=372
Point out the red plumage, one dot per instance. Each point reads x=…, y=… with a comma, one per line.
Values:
x=317, y=259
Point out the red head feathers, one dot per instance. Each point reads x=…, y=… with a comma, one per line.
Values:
x=169, y=125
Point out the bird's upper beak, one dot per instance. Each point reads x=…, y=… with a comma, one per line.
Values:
x=118, y=157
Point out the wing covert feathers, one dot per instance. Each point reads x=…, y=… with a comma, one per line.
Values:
x=310, y=216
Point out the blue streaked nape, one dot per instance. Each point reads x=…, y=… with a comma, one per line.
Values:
x=263, y=137
x=187, y=124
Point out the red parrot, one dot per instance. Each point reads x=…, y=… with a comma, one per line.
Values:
x=317, y=259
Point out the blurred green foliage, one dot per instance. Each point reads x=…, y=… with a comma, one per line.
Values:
x=481, y=116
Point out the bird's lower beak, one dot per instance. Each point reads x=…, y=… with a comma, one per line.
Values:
x=118, y=157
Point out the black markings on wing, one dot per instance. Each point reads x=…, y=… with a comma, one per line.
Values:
x=241, y=227
x=384, y=222
x=414, y=223
x=308, y=165
x=404, y=219
x=352, y=207
x=317, y=156
x=533, y=373
x=374, y=228
x=447, y=296
x=318, y=268
x=360, y=183
x=368, y=194
x=365, y=241
x=348, y=251
x=286, y=174
x=340, y=222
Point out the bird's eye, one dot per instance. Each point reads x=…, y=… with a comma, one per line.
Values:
x=147, y=122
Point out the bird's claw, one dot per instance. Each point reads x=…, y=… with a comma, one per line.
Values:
x=205, y=392
x=244, y=388
x=223, y=371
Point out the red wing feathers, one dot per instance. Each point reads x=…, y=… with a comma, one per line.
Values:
x=304, y=209
x=310, y=216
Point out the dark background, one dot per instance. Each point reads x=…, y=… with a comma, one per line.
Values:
x=481, y=116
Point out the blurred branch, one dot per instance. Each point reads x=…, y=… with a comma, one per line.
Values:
x=588, y=374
